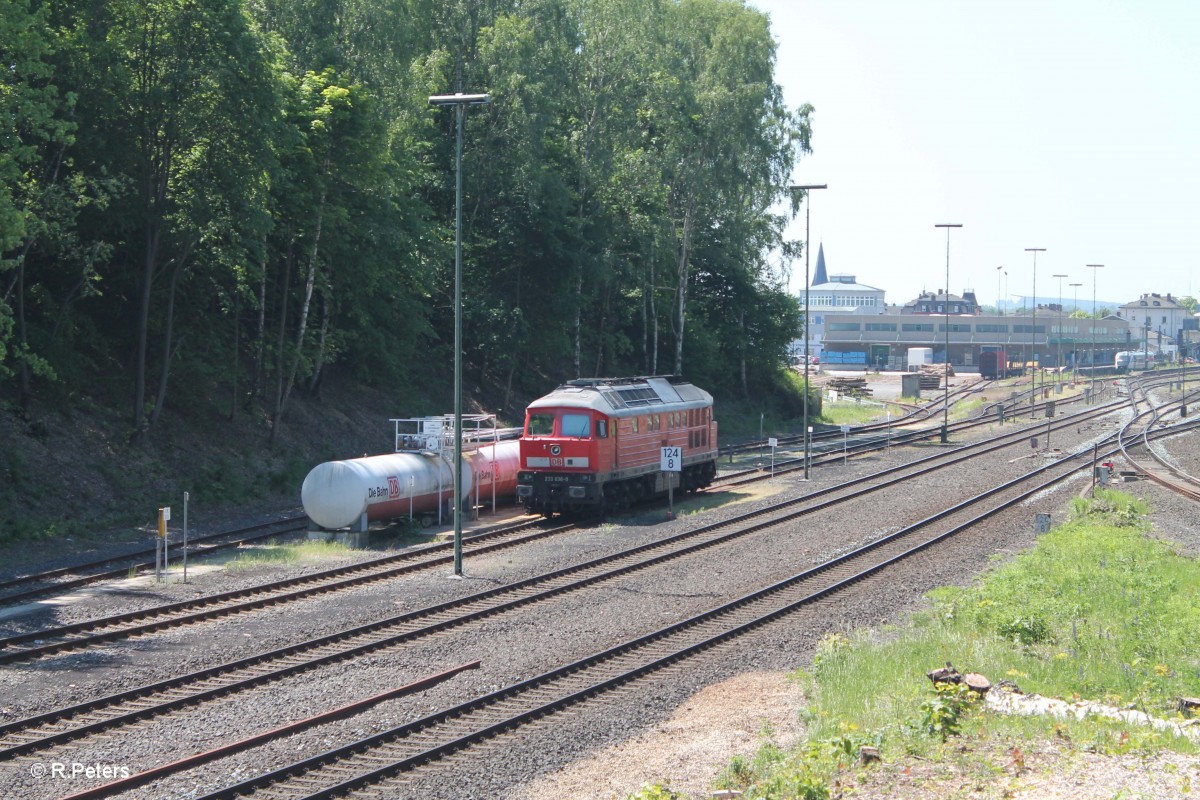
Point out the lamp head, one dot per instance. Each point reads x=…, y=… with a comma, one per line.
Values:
x=459, y=99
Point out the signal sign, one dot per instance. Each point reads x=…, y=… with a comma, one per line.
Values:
x=671, y=459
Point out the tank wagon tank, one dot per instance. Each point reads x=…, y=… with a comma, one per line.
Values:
x=594, y=444
x=338, y=494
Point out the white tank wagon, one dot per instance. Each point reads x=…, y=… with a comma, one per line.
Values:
x=338, y=494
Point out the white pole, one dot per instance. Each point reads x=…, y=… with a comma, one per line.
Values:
x=807, y=447
x=185, y=536
x=166, y=552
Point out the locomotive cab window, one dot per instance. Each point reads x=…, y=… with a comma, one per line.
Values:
x=601, y=429
x=577, y=425
x=541, y=424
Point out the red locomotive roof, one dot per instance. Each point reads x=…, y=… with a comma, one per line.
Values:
x=620, y=397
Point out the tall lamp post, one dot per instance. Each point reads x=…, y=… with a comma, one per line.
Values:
x=806, y=188
x=1033, y=331
x=1145, y=345
x=460, y=101
x=1058, y=358
x=946, y=371
x=1095, y=319
x=1074, y=341
x=999, y=310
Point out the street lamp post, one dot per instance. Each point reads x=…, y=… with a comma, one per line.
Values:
x=460, y=101
x=1095, y=318
x=1058, y=358
x=946, y=370
x=1145, y=345
x=998, y=295
x=1074, y=341
x=1183, y=377
x=1033, y=331
x=807, y=218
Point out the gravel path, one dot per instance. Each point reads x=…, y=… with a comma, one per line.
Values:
x=518, y=645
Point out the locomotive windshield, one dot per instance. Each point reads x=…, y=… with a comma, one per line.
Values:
x=541, y=424
x=576, y=425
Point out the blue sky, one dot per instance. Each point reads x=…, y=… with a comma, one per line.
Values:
x=1073, y=126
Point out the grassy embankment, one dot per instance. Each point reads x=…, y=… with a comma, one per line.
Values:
x=1097, y=611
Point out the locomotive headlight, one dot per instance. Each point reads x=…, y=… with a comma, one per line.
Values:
x=577, y=492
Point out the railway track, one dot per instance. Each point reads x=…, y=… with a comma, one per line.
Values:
x=1135, y=436
x=20, y=590
x=914, y=413
x=49, y=641
x=835, y=453
x=129, y=707
x=381, y=762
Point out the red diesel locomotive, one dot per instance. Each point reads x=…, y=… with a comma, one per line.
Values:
x=594, y=443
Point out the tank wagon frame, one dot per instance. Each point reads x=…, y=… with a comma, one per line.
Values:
x=418, y=479
x=594, y=444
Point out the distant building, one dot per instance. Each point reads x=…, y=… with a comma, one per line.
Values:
x=869, y=340
x=832, y=296
x=1156, y=317
x=935, y=303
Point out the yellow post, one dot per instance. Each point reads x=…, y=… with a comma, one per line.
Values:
x=164, y=516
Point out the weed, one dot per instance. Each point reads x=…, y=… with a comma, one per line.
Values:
x=1030, y=629
x=941, y=715
x=738, y=775
x=828, y=650
x=285, y=554
x=655, y=791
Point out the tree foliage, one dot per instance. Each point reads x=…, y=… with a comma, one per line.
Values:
x=227, y=201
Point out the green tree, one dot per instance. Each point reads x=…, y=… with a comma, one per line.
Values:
x=727, y=125
x=191, y=90
x=36, y=130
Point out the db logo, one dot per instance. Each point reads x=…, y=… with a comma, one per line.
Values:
x=393, y=487
x=555, y=450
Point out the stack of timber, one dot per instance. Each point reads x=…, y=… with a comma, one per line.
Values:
x=849, y=387
x=931, y=375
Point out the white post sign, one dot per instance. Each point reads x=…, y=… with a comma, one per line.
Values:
x=845, y=444
x=773, y=443
x=166, y=543
x=670, y=459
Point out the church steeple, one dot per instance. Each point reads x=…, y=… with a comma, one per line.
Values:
x=819, y=276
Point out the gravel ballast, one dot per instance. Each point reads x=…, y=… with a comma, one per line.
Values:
x=518, y=645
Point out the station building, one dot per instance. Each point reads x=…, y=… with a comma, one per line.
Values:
x=1048, y=338
x=1155, y=321
x=831, y=297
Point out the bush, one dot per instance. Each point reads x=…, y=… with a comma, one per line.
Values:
x=941, y=715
